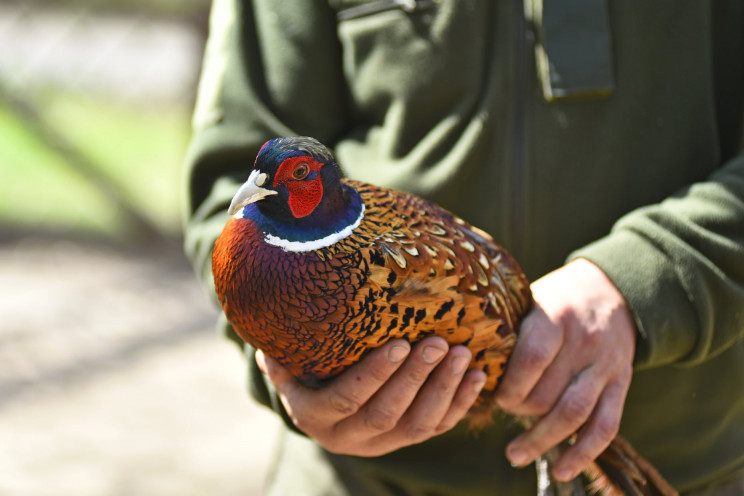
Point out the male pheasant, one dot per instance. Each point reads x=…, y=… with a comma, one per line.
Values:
x=316, y=269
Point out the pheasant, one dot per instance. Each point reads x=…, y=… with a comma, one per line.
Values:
x=316, y=270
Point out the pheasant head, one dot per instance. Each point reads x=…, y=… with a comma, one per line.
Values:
x=296, y=196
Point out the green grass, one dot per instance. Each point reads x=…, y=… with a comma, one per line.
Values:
x=140, y=148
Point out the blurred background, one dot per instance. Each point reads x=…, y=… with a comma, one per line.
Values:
x=112, y=378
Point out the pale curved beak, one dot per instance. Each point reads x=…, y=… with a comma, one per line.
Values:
x=250, y=192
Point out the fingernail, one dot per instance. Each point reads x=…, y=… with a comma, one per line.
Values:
x=518, y=458
x=459, y=365
x=564, y=475
x=477, y=386
x=432, y=354
x=397, y=353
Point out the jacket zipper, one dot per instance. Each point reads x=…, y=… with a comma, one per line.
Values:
x=517, y=230
x=372, y=8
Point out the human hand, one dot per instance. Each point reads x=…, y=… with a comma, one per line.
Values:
x=571, y=366
x=395, y=397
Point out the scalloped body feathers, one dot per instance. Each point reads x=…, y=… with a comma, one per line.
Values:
x=417, y=273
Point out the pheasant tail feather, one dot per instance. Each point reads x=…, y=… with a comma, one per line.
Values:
x=621, y=471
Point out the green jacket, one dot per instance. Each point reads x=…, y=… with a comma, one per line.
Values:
x=605, y=130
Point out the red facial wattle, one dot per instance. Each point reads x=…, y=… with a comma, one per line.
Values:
x=304, y=194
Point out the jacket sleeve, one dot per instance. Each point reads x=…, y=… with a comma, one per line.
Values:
x=680, y=266
x=261, y=60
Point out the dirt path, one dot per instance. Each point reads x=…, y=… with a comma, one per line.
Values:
x=113, y=381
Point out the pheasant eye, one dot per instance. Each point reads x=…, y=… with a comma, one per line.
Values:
x=301, y=171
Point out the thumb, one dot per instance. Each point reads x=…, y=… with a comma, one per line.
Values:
x=272, y=369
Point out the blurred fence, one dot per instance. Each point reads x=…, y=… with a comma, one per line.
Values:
x=134, y=53
x=142, y=54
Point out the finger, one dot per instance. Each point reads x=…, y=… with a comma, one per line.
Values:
x=549, y=388
x=434, y=399
x=260, y=361
x=383, y=411
x=596, y=435
x=539, y=341
x=316, y=412
x=573, y=409
x=470, y=387
x=295, y=397
x=273, y=370
x=352, y=389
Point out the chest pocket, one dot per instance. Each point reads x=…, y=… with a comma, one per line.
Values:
x=409, y=64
